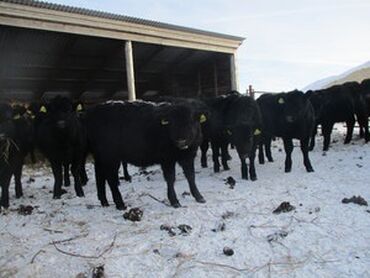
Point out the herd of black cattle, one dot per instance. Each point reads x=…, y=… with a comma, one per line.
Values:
x=169, y=130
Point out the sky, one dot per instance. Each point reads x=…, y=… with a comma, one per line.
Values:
x=289, y=44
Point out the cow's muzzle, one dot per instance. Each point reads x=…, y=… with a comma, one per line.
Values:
x=182, y=144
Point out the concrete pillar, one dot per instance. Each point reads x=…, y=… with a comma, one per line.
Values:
x=130, y=71
x=233, y=73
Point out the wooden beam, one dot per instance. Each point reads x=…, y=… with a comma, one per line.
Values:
x=94, y=73
x=141, y=67
x=130, y=71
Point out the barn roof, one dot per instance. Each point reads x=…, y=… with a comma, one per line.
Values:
x=48, y=49
x=118, y=17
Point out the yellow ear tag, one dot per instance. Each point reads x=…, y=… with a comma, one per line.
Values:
x=43, y=109
x=164, y=122
x=257, y=132
x=281, y=101
x=16, y=117
x=79, y=108
x=229, y=132
x=203, y=118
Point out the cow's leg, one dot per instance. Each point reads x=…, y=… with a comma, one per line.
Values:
x=58, y=179
x=306, y=158
x=5, y=181
x=100, y=184
x=312, y=139
x=126, y=175
x=169, y=174
x=326, y=132
x=268, y=149
x=18, y=177
x=225, y=155
x=244, y=168
x=288, y=147
x=363, y=121
x=261, y=154
x=188, y=167
x=113, y=180
x=215, y=155
x=84, y=178
x=252, y=168
x=67, y=180
x=76, y=172
x=204, y=148
x=350, y=125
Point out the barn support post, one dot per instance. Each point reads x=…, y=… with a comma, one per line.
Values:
x=199, y=83
x=215, y=78
x=233, y=73
x=130, y=71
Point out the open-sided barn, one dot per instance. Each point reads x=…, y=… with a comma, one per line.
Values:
x=48, y=49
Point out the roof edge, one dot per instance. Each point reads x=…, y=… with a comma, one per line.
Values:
x=118, y=17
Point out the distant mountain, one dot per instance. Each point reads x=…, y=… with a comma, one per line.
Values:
x=358, y=74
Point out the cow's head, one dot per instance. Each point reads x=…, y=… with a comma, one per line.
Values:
x=182, y=124
x=318, y=100
x=7, y=128
x=292, y=105
x=59, y=111
x=243, y=123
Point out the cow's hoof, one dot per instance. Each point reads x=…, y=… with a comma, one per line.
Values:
x=204, y=165
x=288, y=170
x=270, y=160
x=201, y=200
x=81, y=194
x=176, y=205
x=226, y=168
x=121, y=207
x=56, y=197
x=19, y=195
x=104, y=204
x=253, y=178
x=310, y=170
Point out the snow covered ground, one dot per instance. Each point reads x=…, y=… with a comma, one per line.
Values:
x=321, y=238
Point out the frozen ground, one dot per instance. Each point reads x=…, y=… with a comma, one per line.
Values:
x=321, y=238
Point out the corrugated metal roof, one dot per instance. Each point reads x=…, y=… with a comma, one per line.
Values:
x=101, y=14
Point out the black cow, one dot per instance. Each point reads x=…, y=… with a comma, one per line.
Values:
x=289, y=116
x=25, y=142
x=339, y=103
x=59, y=136
x=365, y=91
x=15, y=136
x=143, y=134
x=234, y=119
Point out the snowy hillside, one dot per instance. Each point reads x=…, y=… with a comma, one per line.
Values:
x=321, y=237
x=355, y=74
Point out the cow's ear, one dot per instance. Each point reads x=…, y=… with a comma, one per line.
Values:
x=164, y=121
x=202, y=118
x=79, y=108
x=43, y=109
x=281, y=100
x=257, y=131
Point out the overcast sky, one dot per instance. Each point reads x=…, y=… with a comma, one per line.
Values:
x=289, y=43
